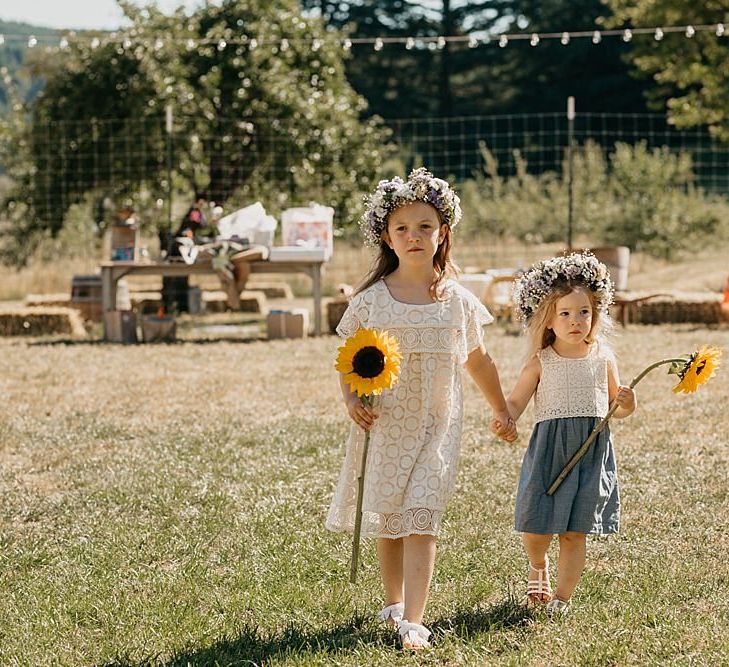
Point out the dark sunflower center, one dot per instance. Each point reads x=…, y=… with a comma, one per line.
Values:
x=700, y=366
x=368, y=362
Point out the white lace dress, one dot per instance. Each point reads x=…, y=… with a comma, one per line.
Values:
x=415, y=443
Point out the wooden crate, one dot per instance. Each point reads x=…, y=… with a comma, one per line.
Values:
x=86, y=296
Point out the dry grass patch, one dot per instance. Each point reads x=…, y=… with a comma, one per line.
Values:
x=165, y=504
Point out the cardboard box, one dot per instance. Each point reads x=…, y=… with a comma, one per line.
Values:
x=288, y=323
x=297, y=254
x=310, y=227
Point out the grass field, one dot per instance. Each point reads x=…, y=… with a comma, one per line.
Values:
x=165, y=505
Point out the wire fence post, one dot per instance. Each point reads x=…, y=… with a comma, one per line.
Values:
x=168, y=132
x=570, y=167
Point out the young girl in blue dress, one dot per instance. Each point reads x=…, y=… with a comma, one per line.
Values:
x=416, y=426
x=572, y=374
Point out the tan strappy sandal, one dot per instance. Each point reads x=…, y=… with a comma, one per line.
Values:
x=538, y=589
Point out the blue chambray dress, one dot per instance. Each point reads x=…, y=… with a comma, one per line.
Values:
x=571, y=398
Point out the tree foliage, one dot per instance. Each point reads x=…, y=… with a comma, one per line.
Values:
x=691, y=75
x=463, y=80
x=247, y=119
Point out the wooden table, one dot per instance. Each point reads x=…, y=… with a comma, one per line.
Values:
x=111, y=272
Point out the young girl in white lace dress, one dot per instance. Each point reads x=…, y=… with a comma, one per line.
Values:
x=415, y=427
x=573, y=376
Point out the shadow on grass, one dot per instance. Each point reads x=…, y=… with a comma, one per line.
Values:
x=466, y=623
x=254, y=645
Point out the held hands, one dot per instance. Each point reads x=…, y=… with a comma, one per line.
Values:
x=503, y=425
x=362, y=415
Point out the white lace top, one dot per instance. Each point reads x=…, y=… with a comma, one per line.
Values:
x=572, y=387
x=415, y=443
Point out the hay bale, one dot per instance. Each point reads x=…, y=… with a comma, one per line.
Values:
x=55, y=300
x=250, y=302
x=40, y=321
x=694, y=307
x=214, y=301
x=273, y=290
x=146, y=302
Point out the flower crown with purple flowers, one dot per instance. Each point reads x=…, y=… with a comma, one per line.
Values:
x=420, y=186
x=576, y=268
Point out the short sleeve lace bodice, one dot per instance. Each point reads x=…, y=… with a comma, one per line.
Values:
x=452, y=325
x=572, y=387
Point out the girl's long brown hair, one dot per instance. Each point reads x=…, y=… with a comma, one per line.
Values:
x=386, y=262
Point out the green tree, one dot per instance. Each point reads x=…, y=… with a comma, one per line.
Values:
x=691, y=74
x=595, y=74
x=251, y=119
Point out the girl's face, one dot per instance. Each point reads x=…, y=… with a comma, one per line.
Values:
x=414, y=232
x=572, y=320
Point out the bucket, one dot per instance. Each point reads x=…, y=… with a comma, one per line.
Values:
x=617, y=260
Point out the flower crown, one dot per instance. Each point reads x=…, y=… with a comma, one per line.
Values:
x=389, y=195
x=576, y=268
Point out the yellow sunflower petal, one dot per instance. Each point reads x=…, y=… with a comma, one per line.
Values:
x=699, y=371
x=387, y=346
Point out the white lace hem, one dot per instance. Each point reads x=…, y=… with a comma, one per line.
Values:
x=392, y=525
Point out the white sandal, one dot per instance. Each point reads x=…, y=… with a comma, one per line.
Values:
x=392, y=614
x=538, y=589
x=414, y=634
x=557, y=608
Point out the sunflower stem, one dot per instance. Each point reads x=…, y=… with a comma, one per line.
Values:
x=600, y=426
x=366, y=400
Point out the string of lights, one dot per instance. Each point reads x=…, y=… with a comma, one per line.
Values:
x=434, y=42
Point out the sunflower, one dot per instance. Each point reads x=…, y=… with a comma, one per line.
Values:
x=370, y=361
x=696, y=369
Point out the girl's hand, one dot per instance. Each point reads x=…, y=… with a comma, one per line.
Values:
x=362, y=415
x=504, y=426
x=625, y=398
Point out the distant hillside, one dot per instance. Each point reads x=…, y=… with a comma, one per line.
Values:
x=12, y=55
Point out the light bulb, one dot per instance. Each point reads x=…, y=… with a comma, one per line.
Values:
x=534, y=39
x=565, y=39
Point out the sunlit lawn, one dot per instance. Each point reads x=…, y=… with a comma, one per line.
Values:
x=165, y=505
